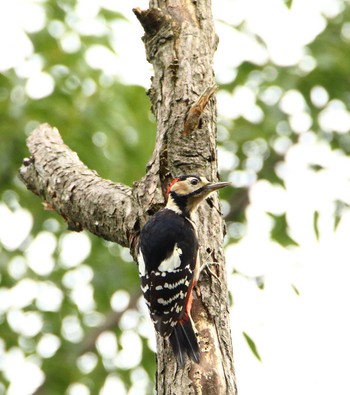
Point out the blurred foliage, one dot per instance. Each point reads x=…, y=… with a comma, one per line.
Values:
x=110, y=126
x=252, y=346
x=279, y=231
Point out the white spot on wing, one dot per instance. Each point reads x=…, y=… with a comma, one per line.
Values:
x=164, y=302
x=179, y=309
x=145, y=288
x=141, y=262
x=175, y=285
x=173, y=262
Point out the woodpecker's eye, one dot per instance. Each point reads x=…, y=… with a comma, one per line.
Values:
x=194, y=181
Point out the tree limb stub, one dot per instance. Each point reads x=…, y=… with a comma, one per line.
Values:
x=151, y=20
x=78, y=194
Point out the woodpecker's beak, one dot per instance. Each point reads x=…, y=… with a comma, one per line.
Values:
x=213, y=186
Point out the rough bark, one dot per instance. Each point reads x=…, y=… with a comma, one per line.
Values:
x=66, y=185
x=180, y=42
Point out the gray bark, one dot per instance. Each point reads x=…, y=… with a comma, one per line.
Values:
x=180, y=42
x=66, y=185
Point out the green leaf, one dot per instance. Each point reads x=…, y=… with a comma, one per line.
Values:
x=279, y=231
x=289, y=3
x=339, y=209
x=295, y=289
x=316, y=217
x=252, y=346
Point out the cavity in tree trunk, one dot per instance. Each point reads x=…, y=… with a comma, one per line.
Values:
x=180, y=43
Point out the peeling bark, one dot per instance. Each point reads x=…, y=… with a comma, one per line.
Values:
x=180, y=43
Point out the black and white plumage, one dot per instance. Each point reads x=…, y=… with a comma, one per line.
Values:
x=169, y=266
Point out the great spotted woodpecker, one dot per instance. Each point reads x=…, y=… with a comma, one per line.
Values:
x=169, y=265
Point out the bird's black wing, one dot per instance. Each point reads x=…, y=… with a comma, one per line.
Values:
x=167, y=259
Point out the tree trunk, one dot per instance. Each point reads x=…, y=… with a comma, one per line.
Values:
x=180, y=42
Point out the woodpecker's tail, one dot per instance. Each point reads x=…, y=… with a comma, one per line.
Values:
x=183, y=340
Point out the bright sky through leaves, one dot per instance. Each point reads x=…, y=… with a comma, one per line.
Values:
x=301, y=337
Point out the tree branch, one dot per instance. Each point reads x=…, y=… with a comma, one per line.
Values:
x=86, y=201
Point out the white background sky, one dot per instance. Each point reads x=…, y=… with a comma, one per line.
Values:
x=303, y=339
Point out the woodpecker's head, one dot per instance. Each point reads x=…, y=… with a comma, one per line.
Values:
x=186, y=192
